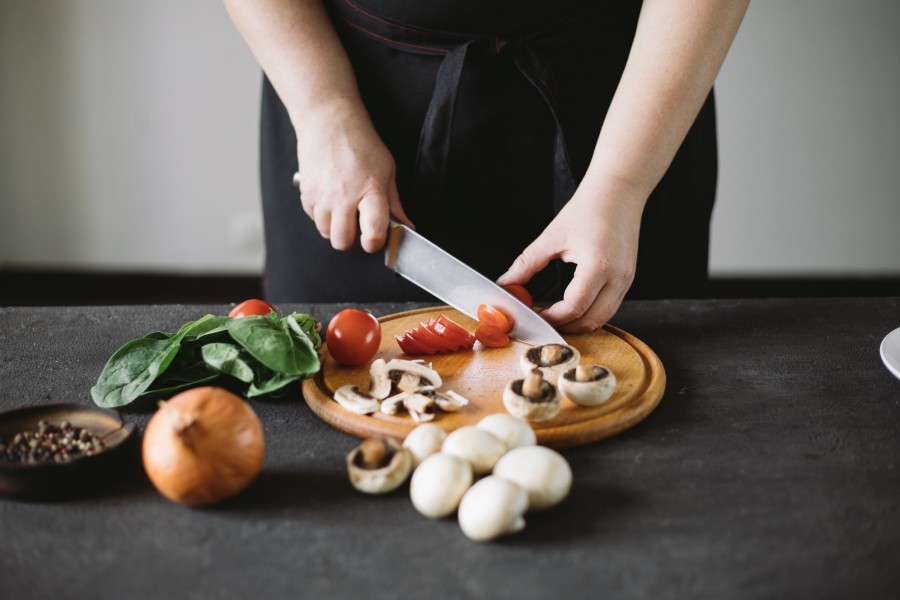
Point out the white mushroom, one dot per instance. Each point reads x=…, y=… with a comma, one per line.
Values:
x=421, y=407
x=438, y=484
x=587, y=385
x=392, y=404
x=552, y=359
x=540, y=471
x=512, y=431
x=450, y=401
x=396, y=368
x=379, y=381
x=532, y=398
x=378, y=465
x=355, y=400
x=491, y=508
x=423, y=441
x=480, y=448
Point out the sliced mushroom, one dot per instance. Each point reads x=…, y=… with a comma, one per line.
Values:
x=379, y=381
x=406, y=370
x=448, y=401
x=421, y=407
x=355, y=400
x=393, y=404
x=532, y=398
x=491, y=508
x=378, y=465
x=552, y=359
x=587, y=385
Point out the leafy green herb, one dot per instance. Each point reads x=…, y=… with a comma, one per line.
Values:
x=263, y=353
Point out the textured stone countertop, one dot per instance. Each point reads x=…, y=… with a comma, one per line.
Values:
x=770, y=469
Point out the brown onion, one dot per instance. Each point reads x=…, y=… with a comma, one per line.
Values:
x=203, y=446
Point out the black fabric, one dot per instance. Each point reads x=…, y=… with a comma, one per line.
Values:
x=510, y=124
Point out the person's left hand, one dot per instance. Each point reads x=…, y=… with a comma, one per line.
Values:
x=599, y=233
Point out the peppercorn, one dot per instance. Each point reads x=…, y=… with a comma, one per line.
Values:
x=50, y=443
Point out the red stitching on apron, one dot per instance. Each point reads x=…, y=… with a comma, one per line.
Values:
x=390, y=41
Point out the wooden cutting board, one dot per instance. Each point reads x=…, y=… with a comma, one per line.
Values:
x=481, y=374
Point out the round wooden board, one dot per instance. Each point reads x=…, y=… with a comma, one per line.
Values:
x=481, y=374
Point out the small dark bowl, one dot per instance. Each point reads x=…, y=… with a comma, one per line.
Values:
x=55, y=481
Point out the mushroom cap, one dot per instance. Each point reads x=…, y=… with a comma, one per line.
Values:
x=438, y=484
x=530, y=359
x=491, y=508
x=543, y=473
x=523, y=407
x=512, y=431
x=384, y=479
x=423, y=441
x=480, y=448
x=588, y=393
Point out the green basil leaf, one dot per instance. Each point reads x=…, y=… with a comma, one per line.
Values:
x=304, y=324
x=269, y=343
x=229, y=359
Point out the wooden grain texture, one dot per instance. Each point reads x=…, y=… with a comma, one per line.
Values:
x=481, y=374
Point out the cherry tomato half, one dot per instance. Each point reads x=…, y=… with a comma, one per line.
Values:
x=491, y=336
x=519, y=291
x=494, y=317
x=410, y=345
x=452, y=325
x=353, y=336
x=251, y=307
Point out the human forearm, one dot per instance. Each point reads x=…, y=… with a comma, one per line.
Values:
x=676, y=54
x=297, y=47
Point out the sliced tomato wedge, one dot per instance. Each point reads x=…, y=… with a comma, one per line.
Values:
x=422, y=334
x=494, y=317
x=519, y=291
x=462, y=341
x=411, y=346
x=491, y=336
x=452, y=325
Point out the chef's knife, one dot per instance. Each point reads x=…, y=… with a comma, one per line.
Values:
x=459, y=285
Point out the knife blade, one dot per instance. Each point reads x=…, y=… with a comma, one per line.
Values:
x=446, y=277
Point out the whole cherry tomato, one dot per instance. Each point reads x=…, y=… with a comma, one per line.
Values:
x=251, y=307
x=353, y=336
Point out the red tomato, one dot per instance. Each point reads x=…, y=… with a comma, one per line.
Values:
x=409, y=345
x=454, y=326
x=491, y=336
x=422, y=333
x=353, y=336
x=419, y=342
x=251, y=307
x=462, y=341
x=493, y=317
x=521, y=293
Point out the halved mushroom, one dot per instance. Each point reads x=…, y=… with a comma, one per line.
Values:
x=552, y=359
x=355, y=400
x=378, y=465
x=532, y=398
x=587, y=385
x=412, y=375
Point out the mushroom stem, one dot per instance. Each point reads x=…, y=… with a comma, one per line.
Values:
x=532, y=386
x=374, y=453
x=551, y=354
x=584, y=373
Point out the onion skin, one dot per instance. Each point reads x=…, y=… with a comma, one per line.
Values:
x=203, y=446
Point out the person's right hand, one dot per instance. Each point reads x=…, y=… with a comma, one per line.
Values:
x=347, y=175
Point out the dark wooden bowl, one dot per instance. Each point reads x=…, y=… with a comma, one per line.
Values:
x=80, y=476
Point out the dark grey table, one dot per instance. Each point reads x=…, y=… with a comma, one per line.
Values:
x=771, y=469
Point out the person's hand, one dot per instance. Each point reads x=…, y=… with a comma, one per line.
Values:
x=347, y=176
x=600, y=235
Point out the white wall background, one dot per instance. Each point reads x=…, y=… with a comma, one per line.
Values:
x=128, y=139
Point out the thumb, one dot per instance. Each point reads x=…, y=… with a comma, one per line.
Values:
x=533, y=259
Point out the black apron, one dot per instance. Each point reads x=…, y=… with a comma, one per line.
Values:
x=491, y=132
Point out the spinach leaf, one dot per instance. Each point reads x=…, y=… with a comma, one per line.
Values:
x=270, y=383
x=272, y=345
x=229, y=359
